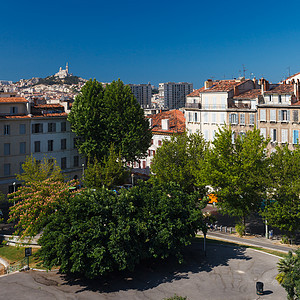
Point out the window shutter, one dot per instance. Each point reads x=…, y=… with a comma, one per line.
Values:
x=272, y=135
x=279, y=115
x=288, y=115
x=230, y=121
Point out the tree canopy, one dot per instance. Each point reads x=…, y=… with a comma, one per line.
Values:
x=237, y=171
x=282, y=209
x=182, y=159
x=97, y=232
x=104, y=116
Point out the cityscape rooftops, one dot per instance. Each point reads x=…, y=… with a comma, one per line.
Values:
x=281, y=89
x=248, y=95
x=224, y=85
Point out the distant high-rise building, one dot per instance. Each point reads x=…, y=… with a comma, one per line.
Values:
x=173, y=94
x=142, y=93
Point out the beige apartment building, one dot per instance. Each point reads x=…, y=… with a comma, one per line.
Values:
x=40, y=130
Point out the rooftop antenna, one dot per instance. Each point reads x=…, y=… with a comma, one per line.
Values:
x=244, y=70
x=289, y=68
x=251, y=75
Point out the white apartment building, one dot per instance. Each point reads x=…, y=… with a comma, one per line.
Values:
x=164, y=125
x=142, y=93
x=206, y=108
x=173, y=94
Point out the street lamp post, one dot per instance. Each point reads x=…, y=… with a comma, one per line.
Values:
x=82, y=171
x=14, y=185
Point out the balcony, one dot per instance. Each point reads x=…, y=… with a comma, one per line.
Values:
x=240, y=105
x=193, y=105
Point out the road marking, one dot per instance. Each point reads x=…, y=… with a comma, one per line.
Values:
x=267, y=253
x=240, y=272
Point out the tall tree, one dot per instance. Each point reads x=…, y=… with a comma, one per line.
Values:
x=182, y=160
x=101, y=117
x=283, y=206
x=237, y=172
x=109, y=173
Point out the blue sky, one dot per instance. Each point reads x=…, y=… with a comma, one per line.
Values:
x=157, y=41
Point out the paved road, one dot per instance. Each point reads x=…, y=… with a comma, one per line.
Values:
x=226, y=273
x=252, y=241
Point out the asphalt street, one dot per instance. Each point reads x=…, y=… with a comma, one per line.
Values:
x=227, y=272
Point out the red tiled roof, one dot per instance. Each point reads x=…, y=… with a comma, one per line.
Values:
x=55, y=105
x=224, y=85
x=15, y=117
x=252, y=94
x=13, y=100
x=292, y=76
x=176, y=121
x=281, y=89
x=196, y=93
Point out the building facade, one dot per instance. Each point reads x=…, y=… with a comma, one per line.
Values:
x=142, y=93
x=173, y=95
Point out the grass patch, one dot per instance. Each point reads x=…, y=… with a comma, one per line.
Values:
x=199, y=239
x=14, y=254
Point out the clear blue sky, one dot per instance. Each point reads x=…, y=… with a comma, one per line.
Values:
x=156, y=41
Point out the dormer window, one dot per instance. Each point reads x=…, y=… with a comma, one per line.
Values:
x=14, y=110
x=279, y=99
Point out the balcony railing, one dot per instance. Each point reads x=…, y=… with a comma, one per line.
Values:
x=193, y=105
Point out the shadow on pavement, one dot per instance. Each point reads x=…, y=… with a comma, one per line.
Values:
x=150, y=274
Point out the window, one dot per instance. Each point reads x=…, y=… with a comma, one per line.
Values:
x=50, y=145
x=63, y=163
x=272, y=115
x=22, y=128
x=76, y=161
x=190, y=117
x=273, y=135
x=251, y=119
x=195, y=117
x=279, y=99
x=242, y=119
x=6, y=149
x=37, y=128
x=159, y=142
x=206, y=137
x=37, y=146
x=213, y=118
x=223, y=102
x=214, y=103
x=63, y=126
x=222, y=118
x=51, y=127
x=152, y=142
x=63, y=144
x=13, y=110
x=214, y=134
x=6, y=169
x=233, y=118
x=262, y=115
x=270, y=98
x=295, y=137
x=21, y=167
x=284, y=115
x=6, y=129
x=205, y=117
x=263, y=132
x=295, y=115
x=284, y=135
x=22, y=147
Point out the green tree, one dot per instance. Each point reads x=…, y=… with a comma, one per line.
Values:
x=116, y=232
x=101, y=117
x=34, y=170
x=182, y=159
x=109, y=173
x=283, y=206
x=237, y=172
x=289, y=275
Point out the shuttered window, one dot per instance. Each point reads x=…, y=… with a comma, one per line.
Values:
x=295, y=136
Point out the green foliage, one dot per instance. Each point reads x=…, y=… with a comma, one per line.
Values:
x=237, y=171
x=176, y=297
x=240, y=229
x=34, y=171
x=98, y=232
x=283, y=208
x=51, y=80
x=289, y=274
x=111, y=172
x=182, y=159
x=101, y=117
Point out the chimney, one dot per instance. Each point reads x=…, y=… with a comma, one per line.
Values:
x=262, y=85
x=208, y=84
x=266, y=85
x=296, y=89
x=235, y=91
x=165, y=124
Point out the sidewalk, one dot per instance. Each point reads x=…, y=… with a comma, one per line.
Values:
x=252, y=241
